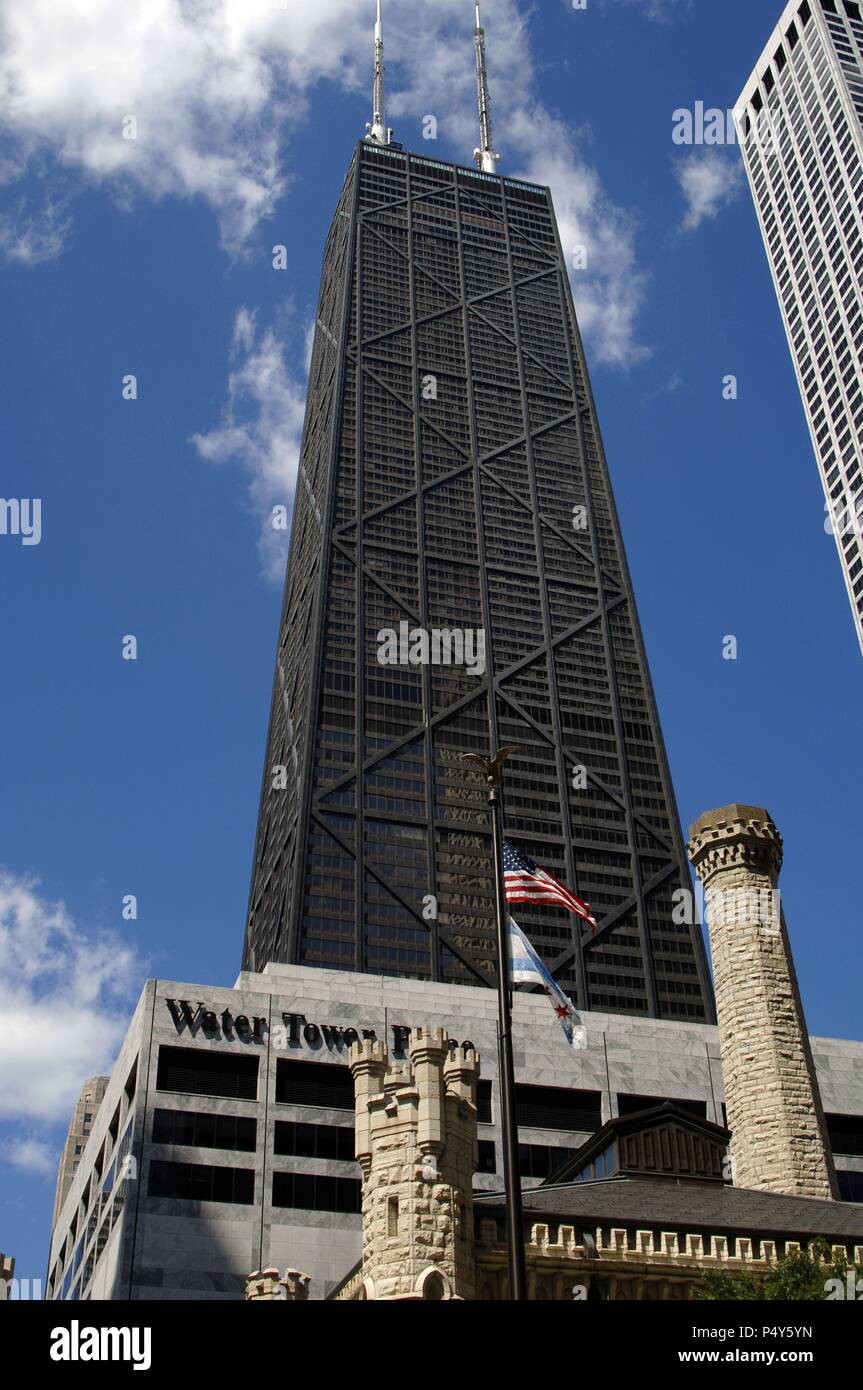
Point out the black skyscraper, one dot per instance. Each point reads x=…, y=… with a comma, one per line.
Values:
x=453, y=478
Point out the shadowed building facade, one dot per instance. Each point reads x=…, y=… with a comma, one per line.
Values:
x=452, y=479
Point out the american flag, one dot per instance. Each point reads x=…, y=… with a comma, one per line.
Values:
x=526, y=882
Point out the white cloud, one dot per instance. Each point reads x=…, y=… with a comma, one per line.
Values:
x=609, y=292
x=709, y=180
x=30, y=237
x=64, y=1001
x=261, y=429
x=669, y=387
x=31, y=1155
x=219, y=87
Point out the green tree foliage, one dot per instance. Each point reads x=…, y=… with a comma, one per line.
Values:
x=799, y=1276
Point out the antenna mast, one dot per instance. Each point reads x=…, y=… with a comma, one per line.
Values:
x=376, y=128
x=486, y=159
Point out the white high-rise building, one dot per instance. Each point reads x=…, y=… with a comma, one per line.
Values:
x=800, y=118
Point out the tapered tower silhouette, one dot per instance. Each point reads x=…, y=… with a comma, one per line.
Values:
x=452, y=480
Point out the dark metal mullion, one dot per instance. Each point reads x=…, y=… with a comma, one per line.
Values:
x=551, y=669
x=524, y=352
x=470, y=400
x=396, y=893
x=532, y=432
x=550, y=525
x=379, y=583
x=487, y=212
x=422, y=320
x=452, y=709
x=558, y=641
x=613, y=796
x=409, y=258
x=557, y=397
x=502, y=289
x=292, y=944
x=568, y=313
x=432, y=923
x=385, y=386
x=612, y=921
x=416, y=732
x=385, y=507
x=653, y=715
x=359, y=630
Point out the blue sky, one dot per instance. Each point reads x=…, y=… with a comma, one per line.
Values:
x=153, y=257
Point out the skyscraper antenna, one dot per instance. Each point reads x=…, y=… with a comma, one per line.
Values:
x=376, y=128
x=485, y=157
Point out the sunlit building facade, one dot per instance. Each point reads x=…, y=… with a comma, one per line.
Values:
x=802, y=139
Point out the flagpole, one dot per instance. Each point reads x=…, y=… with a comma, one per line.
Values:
x=509, y=1125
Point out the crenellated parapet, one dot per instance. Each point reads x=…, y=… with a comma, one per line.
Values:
x=623, y=1264
x=733, y=837
x=416, y=1142
x=269, y=1286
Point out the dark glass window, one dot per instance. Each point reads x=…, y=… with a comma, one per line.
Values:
x=631, y=1104
x=541, y=1160
x=558, y=1107
x=483, y=1102
x=604, y=1165
x=204, y=1131
x=199, y=1182
x=314, y=1141
x=850, y=1186
x=314, y=1192
x=207, y=1073
x=487, y=1162
x=314, y=1083
x=846, y=1134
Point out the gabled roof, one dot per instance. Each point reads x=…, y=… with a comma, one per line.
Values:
x=663, y=1141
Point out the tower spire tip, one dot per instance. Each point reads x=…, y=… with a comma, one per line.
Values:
x=485, y=157
x=376, y=127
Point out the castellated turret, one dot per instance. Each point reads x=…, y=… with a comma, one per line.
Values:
x=416, y=1143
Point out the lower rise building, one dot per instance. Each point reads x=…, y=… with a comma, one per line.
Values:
x=80, y=1128
x=225, y=1140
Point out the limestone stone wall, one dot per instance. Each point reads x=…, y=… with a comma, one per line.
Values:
x=416, y=1145
x=779, y=1140
x=268, y=1286
x=625, y=1265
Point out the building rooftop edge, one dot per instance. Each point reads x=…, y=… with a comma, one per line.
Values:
x=765, y=56
x=390, y=152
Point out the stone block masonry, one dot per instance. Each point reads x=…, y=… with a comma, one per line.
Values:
x=779, y=1137
x=417, y=1148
